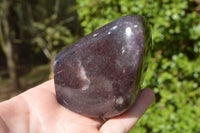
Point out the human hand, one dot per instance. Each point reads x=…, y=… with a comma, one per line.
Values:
x=37, y=111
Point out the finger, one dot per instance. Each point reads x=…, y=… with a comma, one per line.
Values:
x=124, y=123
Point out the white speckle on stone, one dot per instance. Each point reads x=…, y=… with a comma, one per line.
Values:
x=109, y=33
x=114, y=27
x=119, y=100
x=137, y=52
x=129, y=46
x=94, y=35
x=58, y=72
x=124, y=71
x=83, y=77
x=123, y=50
x=86, y=85
x=107, y=85
x=128, y=31
x=135, y=26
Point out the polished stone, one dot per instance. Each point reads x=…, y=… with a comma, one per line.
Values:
x=101, y=74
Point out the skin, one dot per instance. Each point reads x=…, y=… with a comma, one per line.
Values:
x=37, y=111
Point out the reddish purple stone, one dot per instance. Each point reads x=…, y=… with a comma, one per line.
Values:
x=100, y=75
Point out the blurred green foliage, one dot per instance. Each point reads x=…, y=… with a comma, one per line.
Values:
x=45, y=26
x=51, y=28
x=174, y=71
x=32, y=32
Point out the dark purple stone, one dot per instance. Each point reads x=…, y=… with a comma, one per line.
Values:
x=100, y=75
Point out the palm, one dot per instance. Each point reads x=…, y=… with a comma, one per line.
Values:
x=47, y=116
x=52, y=117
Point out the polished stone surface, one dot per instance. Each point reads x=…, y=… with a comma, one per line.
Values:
x=100, y=74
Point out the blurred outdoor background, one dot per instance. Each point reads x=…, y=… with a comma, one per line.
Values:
x=32, y=32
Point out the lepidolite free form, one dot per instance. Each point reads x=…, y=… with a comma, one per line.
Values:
x=100, y=75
